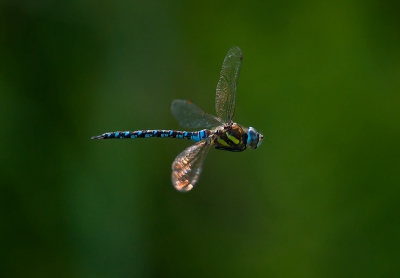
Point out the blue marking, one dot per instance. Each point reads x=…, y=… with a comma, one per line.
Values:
x=108, y=134
x=170, y=133
x=202, y=134
x=155, y=132
x=185, y=134
x=195, y=137
x=126, y=134
x=116, y=134
x=139, y=133
x=133, y=136
x=148, y=135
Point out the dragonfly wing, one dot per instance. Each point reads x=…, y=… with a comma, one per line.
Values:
x=189, y=115
x=225, y=97
x=187, y=166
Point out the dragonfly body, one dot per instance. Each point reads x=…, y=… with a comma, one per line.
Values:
x=230, y=137
x=220, y=132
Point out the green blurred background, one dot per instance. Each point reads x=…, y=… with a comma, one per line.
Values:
x=319, y=198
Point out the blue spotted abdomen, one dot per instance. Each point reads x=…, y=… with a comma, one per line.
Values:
x=191, y=135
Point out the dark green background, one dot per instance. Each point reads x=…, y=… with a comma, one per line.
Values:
x=319, y=198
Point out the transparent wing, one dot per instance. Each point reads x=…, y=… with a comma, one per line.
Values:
x=226, y=89
x=187, y=166
x=189, y=115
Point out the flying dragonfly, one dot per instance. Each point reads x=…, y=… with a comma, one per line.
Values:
x=219, y=131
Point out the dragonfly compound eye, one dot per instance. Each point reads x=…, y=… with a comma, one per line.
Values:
x=253, y=138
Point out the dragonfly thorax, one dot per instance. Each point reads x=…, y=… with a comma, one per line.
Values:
x=230, y=137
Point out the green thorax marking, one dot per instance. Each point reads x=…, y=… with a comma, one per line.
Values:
x=231, y=138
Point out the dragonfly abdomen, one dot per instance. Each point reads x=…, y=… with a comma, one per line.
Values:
x=191, y=135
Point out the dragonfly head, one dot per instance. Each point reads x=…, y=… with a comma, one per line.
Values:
x=254, y=138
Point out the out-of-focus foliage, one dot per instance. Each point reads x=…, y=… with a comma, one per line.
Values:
x=319, y=198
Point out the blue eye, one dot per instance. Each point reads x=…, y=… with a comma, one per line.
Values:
x=254, y=138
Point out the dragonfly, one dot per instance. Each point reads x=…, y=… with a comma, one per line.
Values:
x=219, y=131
